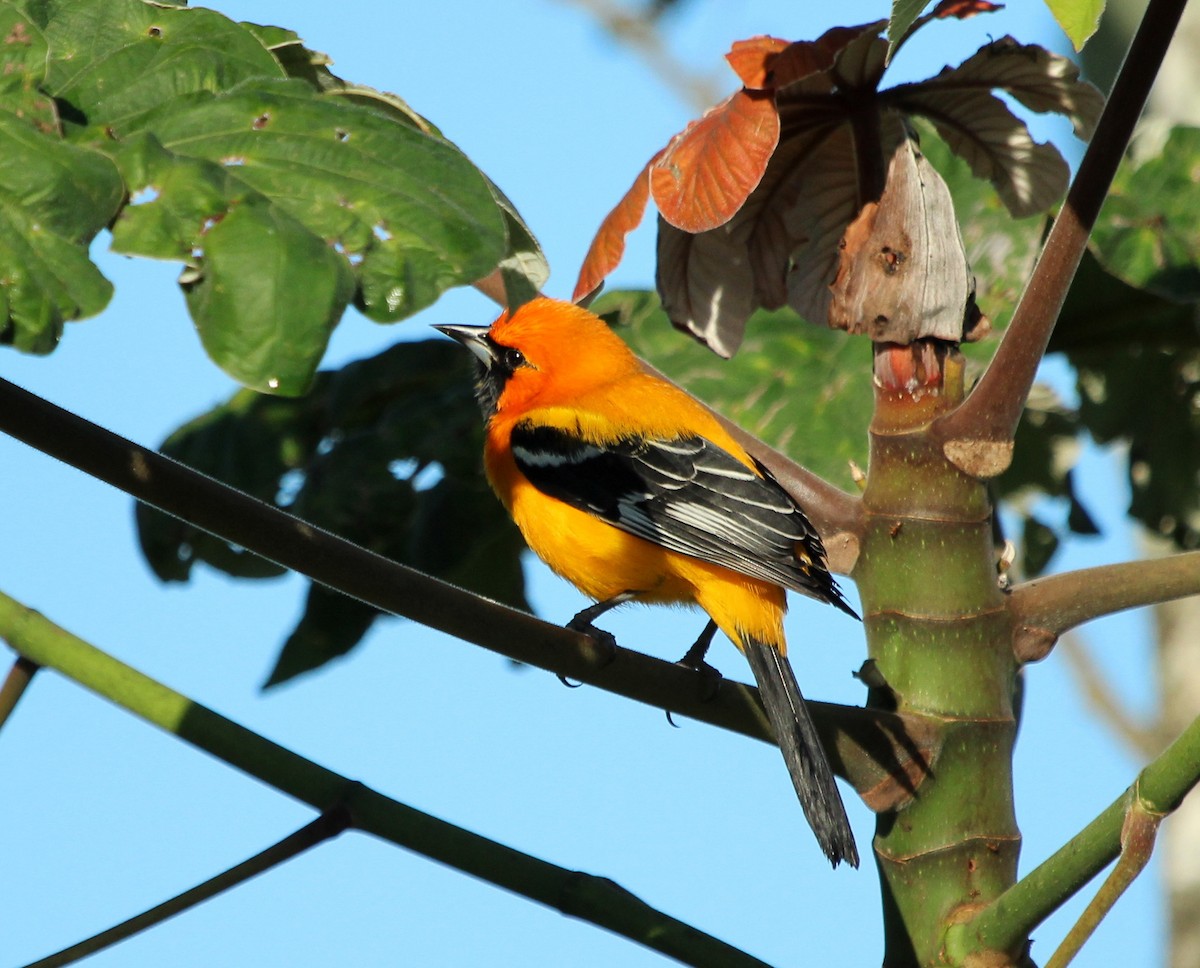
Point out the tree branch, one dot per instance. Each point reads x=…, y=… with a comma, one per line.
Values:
x=1044, y=608
x=1003, y=924
x=866, y=744
x=590, y=898
x=977, y=437
x=328, y=825
x=14, y=686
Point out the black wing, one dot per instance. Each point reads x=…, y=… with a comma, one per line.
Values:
x=685, y=494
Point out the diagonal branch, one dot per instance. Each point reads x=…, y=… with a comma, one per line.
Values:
x=1003, y=924
x=1044, y=608
x=14, y=686
x=585, y=896
x=977, y=437
x=869, y=746
x=328, y=825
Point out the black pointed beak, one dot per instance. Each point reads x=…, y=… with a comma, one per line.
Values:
x=474, y=338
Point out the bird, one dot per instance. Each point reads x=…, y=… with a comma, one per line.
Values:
x=632, y=490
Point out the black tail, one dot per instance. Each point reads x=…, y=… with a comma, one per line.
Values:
x=802, y=752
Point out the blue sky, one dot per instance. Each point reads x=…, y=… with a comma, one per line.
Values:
x=105, y=816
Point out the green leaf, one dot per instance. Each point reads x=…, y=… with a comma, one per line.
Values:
x=803, y=389
x=54, y=198
x=266, y=296
x=252, y=441
x=1101, y=311
x=114, y=61
x=1078, y=18
x=405, y=208
x=904, y=15
x=1038, y=543
x=23, y=55
x=1147, y=234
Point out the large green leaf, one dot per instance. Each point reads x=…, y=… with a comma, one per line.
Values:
x=803, y=389
x=115, y=60
x=406, y=208
x=54, y=198
x=385, y=452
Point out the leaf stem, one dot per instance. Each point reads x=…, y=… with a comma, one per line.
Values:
x=1137, y=844
x=1045, y=608
x=977, y=436
x=14, y=686
x=328, y=825
x=585, y=896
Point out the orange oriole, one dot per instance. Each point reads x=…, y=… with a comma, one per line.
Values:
x=631, y=490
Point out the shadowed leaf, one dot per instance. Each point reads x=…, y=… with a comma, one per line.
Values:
x=384, y=452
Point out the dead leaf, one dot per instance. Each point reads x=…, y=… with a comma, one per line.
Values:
x=903, y=273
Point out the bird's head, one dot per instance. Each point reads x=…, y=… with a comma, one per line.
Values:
x=546, y=352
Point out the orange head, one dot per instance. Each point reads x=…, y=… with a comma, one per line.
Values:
x=545, y=352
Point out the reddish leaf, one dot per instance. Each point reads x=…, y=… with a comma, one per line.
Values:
x=708, y=171
x=963, y=9
x=607, y=248
x=751, y=60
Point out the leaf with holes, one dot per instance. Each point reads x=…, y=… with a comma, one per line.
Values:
x=406, y=209
x=113, y=62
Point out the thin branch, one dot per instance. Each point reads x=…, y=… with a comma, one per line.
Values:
x=1044, y=608
x=1006, y=922
x=977, y=436
x=328, y=825
x=585, y=896
x=14, y=686
x=1137, y=844
x=861, y=741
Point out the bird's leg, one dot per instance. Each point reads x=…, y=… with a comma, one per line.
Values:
x=694, y=659
x=582, y=622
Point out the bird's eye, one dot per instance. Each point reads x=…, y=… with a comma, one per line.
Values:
x=512, y=358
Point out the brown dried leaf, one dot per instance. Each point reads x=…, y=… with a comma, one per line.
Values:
x=707, y=172
x=607, y=248
x=903, y=274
